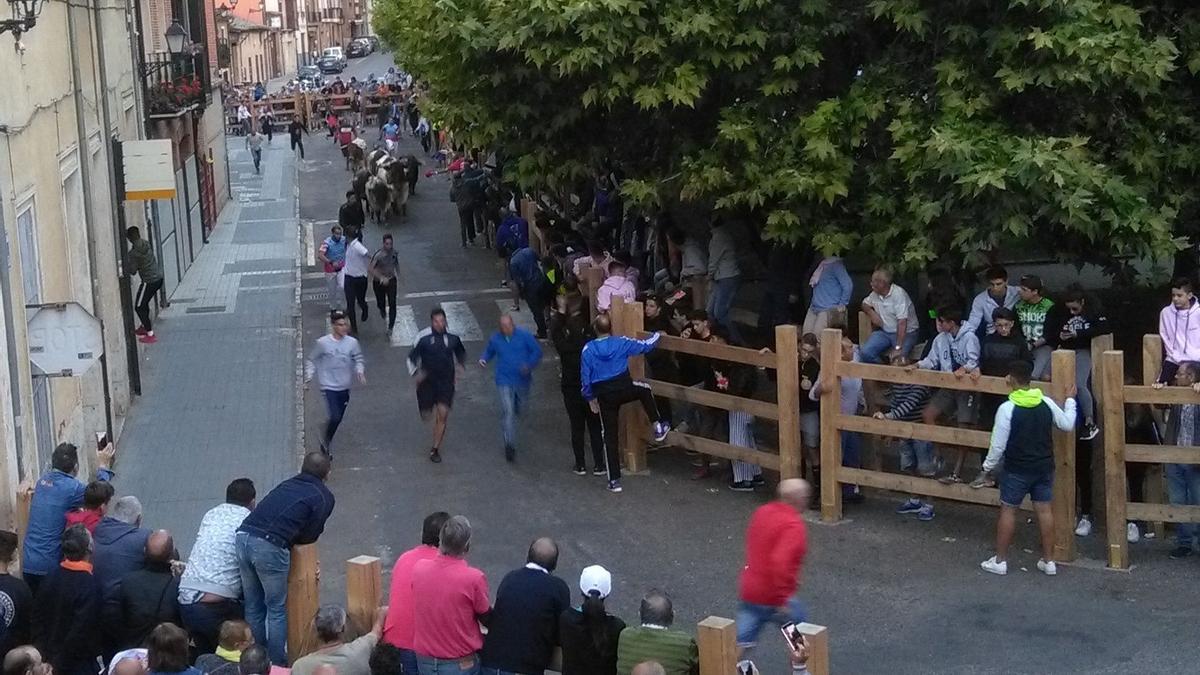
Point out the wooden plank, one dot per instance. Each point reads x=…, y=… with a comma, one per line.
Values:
x=1099, y=345
x=716, y=638
x=1161, y=454
x=714, y=399
x=1062, y=377
x=818, y=647
x=364, y=591
x=831, y=438
x=723, y=450
x=787, y=348
x=929, y=487
x=303, y=599
x=925, y=432
x=751, y=357
x=1112, y=412
x=924, y=378
x=1152, y=357
x=1164, y=396
x=1167, y=513
x=636, y=424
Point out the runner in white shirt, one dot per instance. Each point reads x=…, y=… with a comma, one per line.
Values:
x=354, y=282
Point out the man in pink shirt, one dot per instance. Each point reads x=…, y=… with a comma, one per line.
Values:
x=398, y=627
x=451, y=597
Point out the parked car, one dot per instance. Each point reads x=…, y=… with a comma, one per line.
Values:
x=332, y=60
x=358, y=48
x=311, y=76
x=373, y=41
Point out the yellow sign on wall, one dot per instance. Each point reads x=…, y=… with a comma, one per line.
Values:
x=149, y=169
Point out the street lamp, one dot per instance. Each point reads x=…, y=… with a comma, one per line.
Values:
x=25, y=13
x=176, y=38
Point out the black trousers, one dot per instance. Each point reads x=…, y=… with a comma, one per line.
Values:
x=356, y=291
x=425, y=142
x=612, y=394
x=466, y=221
x=535, y=298
x=149, y=290
x=386, y=292
x=298, y=143
x=583, y=418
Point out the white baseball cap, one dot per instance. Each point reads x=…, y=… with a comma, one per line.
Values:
x=595, y=578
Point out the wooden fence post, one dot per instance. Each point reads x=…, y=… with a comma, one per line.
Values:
x=24, y=500
x=787, y=369
x=303, y=600
x=1113, y=411
x=1100, y=345
x=364, y=589
x=717, y=639
x=593, y=278
x=831, y=440
x=1062, y=376
x=1152, y=356
x=635, y=425
x=865, y=327
x=818, y=647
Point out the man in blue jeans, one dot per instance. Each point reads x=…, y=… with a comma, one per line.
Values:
x=1183, y=480
x=1022, y=437
x=516, y=353
x=336, y=360
x=293, y=513
x=894, y=316
x=724, y=275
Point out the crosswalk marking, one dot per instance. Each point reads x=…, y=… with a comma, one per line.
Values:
x=461, y=321
x=404, y=333
x=523, y=318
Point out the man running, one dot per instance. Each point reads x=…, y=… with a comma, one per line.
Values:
x=296, y=130
x=385, y=275
x=336, y=359
x=254, y=143
x=435, y=361
x=604, y=370
x=516, y=353
x=332, y=255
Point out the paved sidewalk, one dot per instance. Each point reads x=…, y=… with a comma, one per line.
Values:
x=219, y=387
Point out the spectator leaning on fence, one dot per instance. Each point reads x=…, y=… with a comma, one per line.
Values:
x=450, y=601
x=1183, y=480
x=907, y=404
x=349, y=658
x=399, y=626
x=529, y=601
x=955, y=350
x=1022, y=438
x=590, y=635
x=1179, y=328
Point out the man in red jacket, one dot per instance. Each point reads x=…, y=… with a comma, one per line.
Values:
x=776, y=542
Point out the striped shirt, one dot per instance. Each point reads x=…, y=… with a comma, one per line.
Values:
x=674, y=650
x=908, y=402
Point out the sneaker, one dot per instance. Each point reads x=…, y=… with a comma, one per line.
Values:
x=742, y=486
x=1047, y=567
x=910, y=506
x=995, y=566
x=661, y=429
x=614, y=486
x=148, y=339
x=950, y=479
x=1089, y=432
x=1132, y=535
x=926, y=513
x=435, y=456
x=579, y=470
x=140, y=331
x=983, y=480
x=1084, y=527
x=510, y=453
x=599, y=472
x=1180, y=552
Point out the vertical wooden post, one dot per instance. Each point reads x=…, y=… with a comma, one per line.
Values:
x=637, y=425
x=865, y=327
x=717, y=639
x=24, y=500
x=787, y=369
x=831, y=440
x=1062, y=376
x=1152, y=357
x=818, y=647
x=593, y=278
x=303, y=600
x=1100, y=345
x=364, y=589
x=1113, y=412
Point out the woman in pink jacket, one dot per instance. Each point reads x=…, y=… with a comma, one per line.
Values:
x=1179, y=328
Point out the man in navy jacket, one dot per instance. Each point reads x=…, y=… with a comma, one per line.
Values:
x=523, y=631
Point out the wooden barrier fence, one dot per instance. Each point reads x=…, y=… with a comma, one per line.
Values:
x=716, y=638
x=306, y=106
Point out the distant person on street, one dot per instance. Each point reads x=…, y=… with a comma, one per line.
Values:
x=336, y=360
x=348, y=657
x=66, y=612
x=1183, y=480
x=654, y=640
x=606, y=386
x=296, y=131
x=893, y=316
x=350, y=214
x=54, y=494
x=401, y=622
x=291, y=514
x=1021, y=437
x=570, y=330
x=435, y=362
x=524, y=629
x=354, y=277
x=210, y=590
x=142, y=261
x=516, y=353
x=529, y=284
x=450, y=599
x=146, y=597
x=254, y=143
x=384, y=271
x=1181, y=342
x=16, y=600
x=333, y=255
x=589, y=634
x=267, y=123
x=776, y=544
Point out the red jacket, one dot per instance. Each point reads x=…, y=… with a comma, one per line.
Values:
x=776, y=542
x=88, y=517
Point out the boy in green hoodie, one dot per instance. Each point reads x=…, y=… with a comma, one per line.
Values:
x=1022, y=437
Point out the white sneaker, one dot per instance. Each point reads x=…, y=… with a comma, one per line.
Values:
x=1048, y=567
x=1132, y=535
x=1084, y=528
x=995, y=566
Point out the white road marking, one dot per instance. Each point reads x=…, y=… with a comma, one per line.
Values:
x=442, y=294
x=462, y=322
x=310, y=246
x=523, y=318
x=404, y=333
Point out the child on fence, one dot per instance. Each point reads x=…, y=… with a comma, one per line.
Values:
x=851, y=397
x=907, y=404
x=956, y=351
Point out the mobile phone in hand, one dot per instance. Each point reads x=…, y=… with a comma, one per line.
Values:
x=793, y=635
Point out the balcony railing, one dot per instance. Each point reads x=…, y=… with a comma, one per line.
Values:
x=175, y=83
x=329, y=14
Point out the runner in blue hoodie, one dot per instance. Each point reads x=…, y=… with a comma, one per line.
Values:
x=516, y=353
x=604, y=371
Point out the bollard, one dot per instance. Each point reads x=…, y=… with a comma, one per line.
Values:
x=818, y=647
x=303, y=600
x=716, y=638
x=364, y=588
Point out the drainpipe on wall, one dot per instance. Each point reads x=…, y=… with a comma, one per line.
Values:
x=10, y=336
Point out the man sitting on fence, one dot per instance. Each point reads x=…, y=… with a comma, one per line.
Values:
x=1183, y=480
x=955, y=350
x=1022, y=438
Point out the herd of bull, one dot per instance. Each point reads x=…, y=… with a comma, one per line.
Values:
x=382, y=181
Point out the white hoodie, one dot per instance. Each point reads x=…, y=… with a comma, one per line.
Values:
x=1180, y=332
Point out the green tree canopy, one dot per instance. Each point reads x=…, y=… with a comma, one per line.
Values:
x=904, y=129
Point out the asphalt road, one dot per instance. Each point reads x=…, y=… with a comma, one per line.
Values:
x=898, y=596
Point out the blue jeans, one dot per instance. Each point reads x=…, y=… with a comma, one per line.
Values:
x=510, y=406
x=408, y=662
x=264, y=570
x=751, y=618
x=336, y=401
x=203, y=621
x=1183, y=489
x=851, y=456
x=882, y=341
x=917, y=456
x=467, y=665
x=721, y=300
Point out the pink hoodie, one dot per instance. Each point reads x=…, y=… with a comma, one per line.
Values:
x=614, y=286
x=1180, y=332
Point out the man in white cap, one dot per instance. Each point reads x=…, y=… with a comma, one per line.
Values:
x=588, y=633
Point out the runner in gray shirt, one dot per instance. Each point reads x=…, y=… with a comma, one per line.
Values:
x=254, y=143
x=385, y=278
x=336, y=360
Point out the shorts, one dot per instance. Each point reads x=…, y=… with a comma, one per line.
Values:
x=433, y=392
x=751, y=618
x=1014, y=487
x=810, y=429
x=962, y=405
